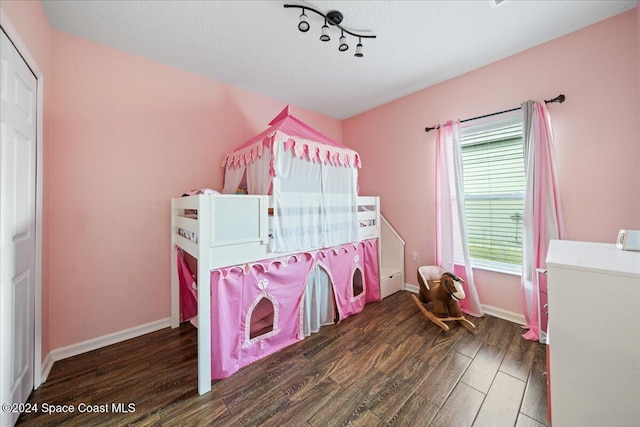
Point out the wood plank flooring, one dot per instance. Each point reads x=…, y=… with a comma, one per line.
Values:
x=388, y=366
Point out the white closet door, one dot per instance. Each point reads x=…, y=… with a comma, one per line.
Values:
x=17, y=227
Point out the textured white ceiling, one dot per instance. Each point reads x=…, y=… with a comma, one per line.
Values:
x=256, y=44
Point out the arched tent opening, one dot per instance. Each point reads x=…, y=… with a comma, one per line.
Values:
x=357, y=283
x=261, y=320
x=319, y=302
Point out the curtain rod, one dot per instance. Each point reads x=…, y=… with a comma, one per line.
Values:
x=559, y=99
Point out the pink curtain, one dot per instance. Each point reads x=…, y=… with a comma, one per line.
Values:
x=237, y=291
x=542, y=210
x=450, y=211
x=188, y=289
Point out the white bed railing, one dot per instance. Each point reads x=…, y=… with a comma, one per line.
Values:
x=238, y=226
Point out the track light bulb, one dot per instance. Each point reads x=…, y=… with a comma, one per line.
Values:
x=324, y=36
x=304, y=24
x=343, y=43
x=359, y=53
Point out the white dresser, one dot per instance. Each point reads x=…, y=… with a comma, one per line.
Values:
x=594, y=334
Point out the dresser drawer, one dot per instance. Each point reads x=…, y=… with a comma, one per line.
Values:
x=544, y=315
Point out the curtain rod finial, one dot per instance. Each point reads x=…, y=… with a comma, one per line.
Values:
x=559, y=99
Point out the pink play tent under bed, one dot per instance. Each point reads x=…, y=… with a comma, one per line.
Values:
x=320, y=272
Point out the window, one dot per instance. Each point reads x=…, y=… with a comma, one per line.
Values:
x=494, y=187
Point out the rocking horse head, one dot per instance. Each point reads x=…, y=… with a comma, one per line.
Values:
x=453, y=285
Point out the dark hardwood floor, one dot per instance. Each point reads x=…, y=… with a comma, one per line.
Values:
x=386, y=366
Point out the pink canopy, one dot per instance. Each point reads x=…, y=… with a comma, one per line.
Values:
x=304, y=140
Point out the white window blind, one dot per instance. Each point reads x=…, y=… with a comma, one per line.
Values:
x=494, y=184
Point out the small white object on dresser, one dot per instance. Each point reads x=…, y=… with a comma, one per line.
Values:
x=629, y=240
x=594, y=329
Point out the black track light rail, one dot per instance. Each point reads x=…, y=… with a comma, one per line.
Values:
x=329, y=21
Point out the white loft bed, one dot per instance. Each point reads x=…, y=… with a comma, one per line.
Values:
x=231, y=230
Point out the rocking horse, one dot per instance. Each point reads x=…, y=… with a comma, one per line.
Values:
x=441, y=291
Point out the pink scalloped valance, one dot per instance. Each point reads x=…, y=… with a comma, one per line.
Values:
x=266, y=265
x=302, y=148
x=249, y=154
x=318, y=152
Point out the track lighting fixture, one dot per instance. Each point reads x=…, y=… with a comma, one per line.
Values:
x=331, y=18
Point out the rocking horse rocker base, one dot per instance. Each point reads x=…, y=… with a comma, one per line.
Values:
x=443, y=291
x=439, y=321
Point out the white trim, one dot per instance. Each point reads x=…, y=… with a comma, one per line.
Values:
x=495, y=266
x=47, y=364
x=411, y=288
x=492, y=311
x=504, y=314
x=109, y=339
x=15, y=38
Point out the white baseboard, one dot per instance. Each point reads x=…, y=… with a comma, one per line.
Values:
x=504, y=314
x=46, y=365
x=492, y=311
x=411, y=288
x=99, y=342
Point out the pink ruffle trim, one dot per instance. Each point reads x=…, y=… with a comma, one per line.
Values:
x=266, y=265
x=309, y=150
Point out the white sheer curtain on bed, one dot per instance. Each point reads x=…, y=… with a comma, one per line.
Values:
x=450, y=211
x=542, y=210
x=319, y=306
x=339, y=204
x=314, y=203
x=232, y=179
x=258, y=177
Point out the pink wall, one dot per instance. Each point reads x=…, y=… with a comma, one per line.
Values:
x=130, y=134
x=597, y=139
x=31, y=23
